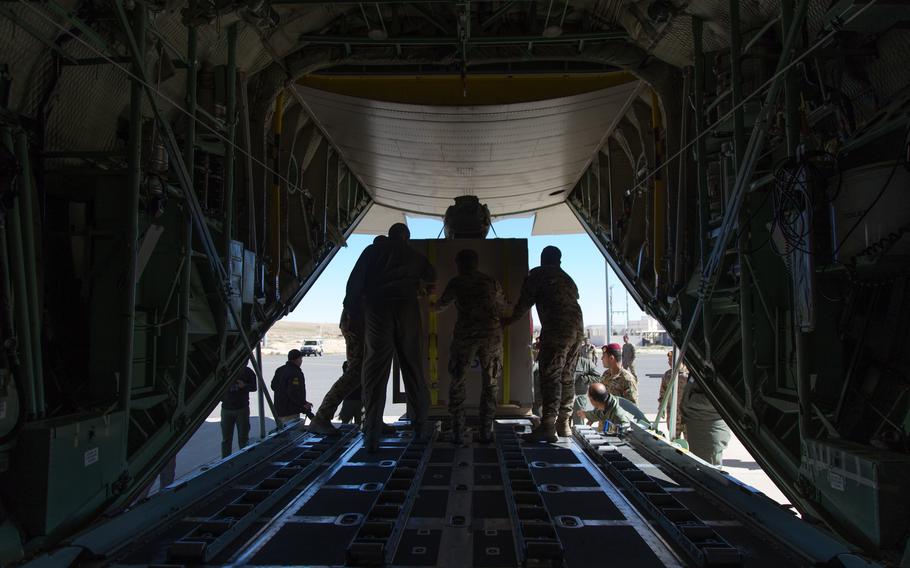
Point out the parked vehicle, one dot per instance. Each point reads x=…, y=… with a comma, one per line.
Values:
x=312, y=347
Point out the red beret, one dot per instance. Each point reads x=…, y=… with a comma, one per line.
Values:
x=613, y=347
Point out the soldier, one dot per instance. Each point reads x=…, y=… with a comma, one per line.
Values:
x=606, y=408
x=235, y=411
x=628, y=356
x=388, y=276
x=537, y=402
x=289, y=386
x=706, y=432
x=481, y=306
x=585, y=376
x=619, y=381
x=681, y=379
x=562, y=331
x=352, y=406
x=351, y=325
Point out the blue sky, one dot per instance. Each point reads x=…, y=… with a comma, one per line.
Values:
x=580, y=258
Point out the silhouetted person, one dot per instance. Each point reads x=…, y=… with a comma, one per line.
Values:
x=478, y=333
x=561, y=336
x=388, y=277
x=235, y=411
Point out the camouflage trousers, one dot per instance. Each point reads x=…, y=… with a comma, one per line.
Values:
x=631, y=368
x=558, y=357
x=349, y=381
x=488, y=349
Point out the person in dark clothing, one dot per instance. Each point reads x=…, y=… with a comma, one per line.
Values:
x=235, y=411
x=388, y=277
x=289, y=386
x=351, y=326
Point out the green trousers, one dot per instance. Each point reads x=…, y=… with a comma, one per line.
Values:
x=708, y=439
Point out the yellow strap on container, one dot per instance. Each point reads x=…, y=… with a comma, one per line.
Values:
x=433, y=337
x=506, y=373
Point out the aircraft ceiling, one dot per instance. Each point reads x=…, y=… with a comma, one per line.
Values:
x=516, y=157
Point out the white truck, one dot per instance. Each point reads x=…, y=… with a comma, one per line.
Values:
x=312, y=347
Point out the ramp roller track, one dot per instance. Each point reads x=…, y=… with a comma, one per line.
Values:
x=326, y=501
x=211, y=536
x=700, y=542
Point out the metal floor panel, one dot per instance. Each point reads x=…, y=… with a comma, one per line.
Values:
x=440, y=475
x=563, y=476
x=485, y=455
x=493, y=549
x=418, y=547
x=487, y=475
x=297, y=544
x=358, y=474
x=592, y=505
x=602, y=545
x=489, y=504
x=431, y=503
x=458, y=511
x=333, y=502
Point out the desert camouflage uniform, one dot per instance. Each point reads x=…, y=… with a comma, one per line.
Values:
x=349, y=381
x=681, y=380
x=622, y=383
x=561, y=335
x=481, y=304
x=628, y=358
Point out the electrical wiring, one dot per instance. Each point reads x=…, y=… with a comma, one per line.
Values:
x=901, y=157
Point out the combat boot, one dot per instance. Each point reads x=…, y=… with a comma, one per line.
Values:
x=563, y=429
x=456, y=434
x=485, y=436
x=546, y=432
x=320, y=425
x=485, y=433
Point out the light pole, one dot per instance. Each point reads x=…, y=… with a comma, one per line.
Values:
x=609, y=331
x=627, y=311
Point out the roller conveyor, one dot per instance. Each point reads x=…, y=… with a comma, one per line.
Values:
x=326, y=501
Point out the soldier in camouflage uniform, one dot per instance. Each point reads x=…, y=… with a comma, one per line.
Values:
x=561, y=335
x=481, y=305
x=606, y=408
x=628, y=356
x=349, y=381
x=585, y=376
x=619, y=381
x=681, y=379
